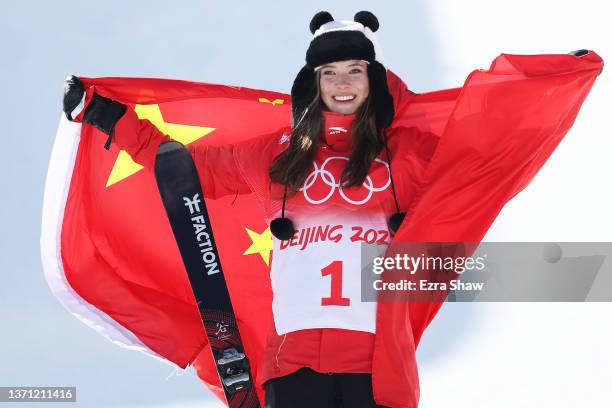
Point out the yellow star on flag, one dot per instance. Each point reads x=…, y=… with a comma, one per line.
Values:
x=274, y=102
x=124, y=165
x=261, y=244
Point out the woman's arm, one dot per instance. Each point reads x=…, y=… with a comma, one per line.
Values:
x=217, y=165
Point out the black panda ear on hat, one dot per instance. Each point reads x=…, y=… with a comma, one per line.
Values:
x=319, y=19
x=367, y=19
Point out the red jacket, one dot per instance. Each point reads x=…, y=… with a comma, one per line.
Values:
x=330, y=222
x=496, y=133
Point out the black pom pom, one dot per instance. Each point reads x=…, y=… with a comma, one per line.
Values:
x=319, y=19
x=282, y=228
x=367, y=19
x=395, y=221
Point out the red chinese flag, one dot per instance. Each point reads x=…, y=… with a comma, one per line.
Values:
x=108, y=250
x=496, y=132
x=504, y=124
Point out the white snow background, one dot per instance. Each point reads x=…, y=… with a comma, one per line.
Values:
x=473, y=355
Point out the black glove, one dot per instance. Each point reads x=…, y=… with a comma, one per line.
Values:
x=100, y=112
x=73, y=95
x=579, y=53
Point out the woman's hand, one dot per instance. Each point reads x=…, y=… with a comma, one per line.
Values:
x=100, y=112
x=579, y=53
x=73, y=97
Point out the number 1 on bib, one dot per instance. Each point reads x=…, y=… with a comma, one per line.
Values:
x=335, y=270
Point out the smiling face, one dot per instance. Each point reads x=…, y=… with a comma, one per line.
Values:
x=344, y=85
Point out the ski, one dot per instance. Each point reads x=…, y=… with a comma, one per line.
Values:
x=181, y=193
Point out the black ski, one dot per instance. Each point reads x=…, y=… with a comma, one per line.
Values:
x=181, y=193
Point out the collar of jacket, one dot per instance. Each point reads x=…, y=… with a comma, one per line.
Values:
x=337, y=130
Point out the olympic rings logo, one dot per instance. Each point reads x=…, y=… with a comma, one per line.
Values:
x=329, y=180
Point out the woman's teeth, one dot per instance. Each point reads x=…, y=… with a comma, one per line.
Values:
x=344, y=98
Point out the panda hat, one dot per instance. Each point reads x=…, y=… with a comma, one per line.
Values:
x=340, y=41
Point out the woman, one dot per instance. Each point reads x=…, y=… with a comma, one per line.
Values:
x=337, y=159
x=343, y=174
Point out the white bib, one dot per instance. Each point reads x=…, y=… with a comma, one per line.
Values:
x=316, y=276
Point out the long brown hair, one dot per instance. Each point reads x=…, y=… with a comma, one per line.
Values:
x=291, y=167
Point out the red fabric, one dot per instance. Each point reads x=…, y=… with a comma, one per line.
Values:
x=339, y=350
x=118, y=252
x=221, y=168
x=117, y=248
x=504, y=125
x=323, y=350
